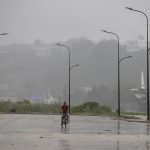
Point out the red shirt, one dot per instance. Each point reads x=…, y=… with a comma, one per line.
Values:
x=64, y=108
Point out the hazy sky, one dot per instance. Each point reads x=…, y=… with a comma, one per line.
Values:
x=60, y=20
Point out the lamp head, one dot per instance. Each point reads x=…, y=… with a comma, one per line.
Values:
x=77, y=65
x=129, y=56
x=103, y=30
x=4, y=33
x=58, y=44
x=129, y=8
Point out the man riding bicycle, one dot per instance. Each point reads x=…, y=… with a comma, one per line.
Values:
x=64, y=109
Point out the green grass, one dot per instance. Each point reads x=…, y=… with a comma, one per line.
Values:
x=92, y=108
x=26, y=107
x=87, y=108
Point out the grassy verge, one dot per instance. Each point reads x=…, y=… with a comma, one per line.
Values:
x=88, y=108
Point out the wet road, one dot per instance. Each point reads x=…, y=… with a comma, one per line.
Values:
x=43, y=132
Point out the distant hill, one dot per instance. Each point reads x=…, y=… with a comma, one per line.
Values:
x=30, y=69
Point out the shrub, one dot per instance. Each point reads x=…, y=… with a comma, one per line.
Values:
x=91, y=108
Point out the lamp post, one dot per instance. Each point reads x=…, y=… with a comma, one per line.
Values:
x=119, y=61
x=69, y=68
x=147, y=59
x=118, y=70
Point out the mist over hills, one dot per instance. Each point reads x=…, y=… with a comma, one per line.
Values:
x=27, y=70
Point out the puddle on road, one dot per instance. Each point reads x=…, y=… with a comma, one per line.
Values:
x=101, y=145
x=114, y=127
x=84, y=133
x=108, y=126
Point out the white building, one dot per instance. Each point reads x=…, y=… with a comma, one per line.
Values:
x=50, y=98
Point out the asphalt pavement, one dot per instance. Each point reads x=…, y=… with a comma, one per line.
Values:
x=43, y=132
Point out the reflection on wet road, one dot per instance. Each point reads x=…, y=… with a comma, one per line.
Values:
x=43, y=132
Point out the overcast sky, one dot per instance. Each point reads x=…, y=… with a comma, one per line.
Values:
x=60, y=20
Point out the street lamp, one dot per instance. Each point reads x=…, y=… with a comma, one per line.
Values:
x=69, y=68
x=147, y=59
x=118, y=70
x=119, y=60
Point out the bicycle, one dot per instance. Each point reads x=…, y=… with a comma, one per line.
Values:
x=65, y=120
